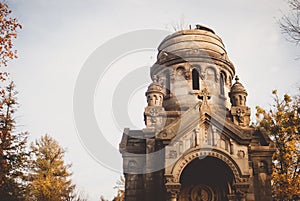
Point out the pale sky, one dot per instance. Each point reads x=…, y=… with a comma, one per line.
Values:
x=58, y=36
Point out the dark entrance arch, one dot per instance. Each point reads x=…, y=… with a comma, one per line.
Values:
x=207, y=179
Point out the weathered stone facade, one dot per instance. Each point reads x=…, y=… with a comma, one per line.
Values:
x=197, y=144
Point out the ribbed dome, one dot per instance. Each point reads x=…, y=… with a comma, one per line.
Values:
x=237, y=87
x=193, y=45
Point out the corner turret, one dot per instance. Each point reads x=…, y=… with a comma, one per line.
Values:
x=154, y=113
x=239, y=111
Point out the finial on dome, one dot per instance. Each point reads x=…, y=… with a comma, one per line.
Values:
x=237, y=78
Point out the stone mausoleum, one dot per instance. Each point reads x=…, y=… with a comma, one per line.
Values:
x=197, y=144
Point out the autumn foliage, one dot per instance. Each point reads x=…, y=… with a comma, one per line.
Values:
x=49, y=178
x=282, y=124
x=8, y=33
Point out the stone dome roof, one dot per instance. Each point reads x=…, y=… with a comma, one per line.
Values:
x=237, y=87
x=155, y=87
x=200, y=44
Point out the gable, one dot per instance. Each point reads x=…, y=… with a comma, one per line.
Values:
x=195, y=118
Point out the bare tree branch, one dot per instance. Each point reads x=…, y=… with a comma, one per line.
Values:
x=290, y=24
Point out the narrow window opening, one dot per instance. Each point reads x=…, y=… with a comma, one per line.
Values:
x=241, y=100
x=168, y=84
x=195, y=78
x=222, y=91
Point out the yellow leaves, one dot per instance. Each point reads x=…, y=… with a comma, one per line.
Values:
x=287, y=98
x=279, y=113
x=50, y=175
x=284, y=187
x=281, y=123
x=259, y=110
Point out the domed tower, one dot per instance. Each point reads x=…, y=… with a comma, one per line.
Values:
x=239, y=111
x=197, y=143
x=189, y=61
x=154, y=114
x=238, y=94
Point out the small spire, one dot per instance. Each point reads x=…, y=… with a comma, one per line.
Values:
x=237, y=79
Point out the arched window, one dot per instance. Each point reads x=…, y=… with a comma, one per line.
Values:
x=168, y=84
x=222, y=92
x=241, y=99
x=195, y=79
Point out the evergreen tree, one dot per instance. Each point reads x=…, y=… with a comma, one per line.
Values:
x=282, y=124
x=49, y=178
x=13, y=157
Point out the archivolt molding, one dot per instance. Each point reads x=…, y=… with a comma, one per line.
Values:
x=189, y=157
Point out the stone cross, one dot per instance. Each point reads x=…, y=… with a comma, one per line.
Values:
x=204, y=95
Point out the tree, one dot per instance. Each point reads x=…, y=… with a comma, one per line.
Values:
x=49, y=178
x=282, y=124
x=78, y=196
x=120, y=187
x=8, y=32
x=13, y=156
x=102, y=198
x=290, y=24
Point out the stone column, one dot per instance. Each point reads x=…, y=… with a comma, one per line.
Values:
x=173, y=190
x=232, y=197
x=241, y=190
x=173, y=196
x=262, y=170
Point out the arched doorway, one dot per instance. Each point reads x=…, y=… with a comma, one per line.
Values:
x=207, y=179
